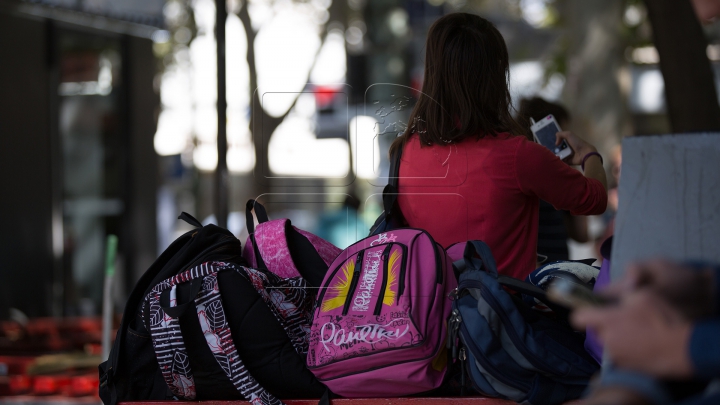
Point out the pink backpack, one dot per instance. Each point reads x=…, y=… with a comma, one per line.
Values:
x=285, y=250
x=379, y=324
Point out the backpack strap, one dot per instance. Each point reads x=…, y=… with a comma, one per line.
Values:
x=393, y=186
x=391, y=216
x=190, y=219
x=290, y=302
x=478, y=256
x=172, y=354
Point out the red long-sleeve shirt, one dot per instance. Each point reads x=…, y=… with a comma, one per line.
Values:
x=489, y=189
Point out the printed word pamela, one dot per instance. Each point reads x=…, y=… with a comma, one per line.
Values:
x=370, y=333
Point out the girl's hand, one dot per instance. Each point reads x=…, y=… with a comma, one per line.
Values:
x=580, y=147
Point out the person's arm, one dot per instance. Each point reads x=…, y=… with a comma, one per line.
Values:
x=542, y=174
x=642, y=333
x=593, y=164
x=692, y=287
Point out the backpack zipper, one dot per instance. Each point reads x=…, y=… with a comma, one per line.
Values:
x=354, y=282
x=383, y=286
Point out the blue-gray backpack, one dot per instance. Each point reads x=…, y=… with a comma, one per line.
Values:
x=507, y=349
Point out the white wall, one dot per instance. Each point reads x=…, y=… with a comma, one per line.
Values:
x=669, y=199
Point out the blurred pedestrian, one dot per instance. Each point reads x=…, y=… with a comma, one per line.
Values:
x=341, y=227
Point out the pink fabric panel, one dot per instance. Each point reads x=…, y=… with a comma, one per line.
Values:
x=273, y=247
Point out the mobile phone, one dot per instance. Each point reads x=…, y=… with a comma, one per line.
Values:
x=544, y=132
x=573, y=295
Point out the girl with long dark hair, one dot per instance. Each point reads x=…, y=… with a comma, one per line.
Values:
x=468, y=171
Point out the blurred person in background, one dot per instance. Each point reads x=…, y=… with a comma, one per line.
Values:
x=467, y=169
x=661, y=336
x=555, y=227
x=340, y=227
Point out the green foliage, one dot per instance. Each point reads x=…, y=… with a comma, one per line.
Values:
x=180, y=21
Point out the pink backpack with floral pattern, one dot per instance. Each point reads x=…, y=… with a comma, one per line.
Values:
x=379, y=324
x=285, y=250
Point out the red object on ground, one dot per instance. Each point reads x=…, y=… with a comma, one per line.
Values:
x=49, y=335
x=489, y=189
x=20, y=384
x=84, y=385
x=12, y=365
x=50, y=384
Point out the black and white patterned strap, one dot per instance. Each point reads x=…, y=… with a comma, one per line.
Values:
x=289, y=300
x=170, y=347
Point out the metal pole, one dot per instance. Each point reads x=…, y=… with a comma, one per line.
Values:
x=221, y=173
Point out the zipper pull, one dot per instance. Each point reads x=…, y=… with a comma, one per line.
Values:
x=463, y=356
x=453, y=327
x=353, y=283
x=358, y=264
x=453, y=295
x=451, y=323
x=357, y=270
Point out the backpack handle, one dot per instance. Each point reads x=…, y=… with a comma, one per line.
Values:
x=190, y=219
x=178, y=310
x=260, y=213
x=478, y=256
x=390, y=192
x=391, y=216
x=262, y=217
x=509, y=282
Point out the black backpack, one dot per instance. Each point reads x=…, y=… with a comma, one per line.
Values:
x=271, y=353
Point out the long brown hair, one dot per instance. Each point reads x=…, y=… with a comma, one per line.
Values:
x=465, y=88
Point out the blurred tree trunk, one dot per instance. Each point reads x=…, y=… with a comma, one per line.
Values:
x=692, y=101
x=594, y=60
x=262, y=124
